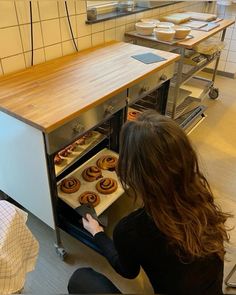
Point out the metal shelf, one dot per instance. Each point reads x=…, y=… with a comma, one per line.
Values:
x=198, y=87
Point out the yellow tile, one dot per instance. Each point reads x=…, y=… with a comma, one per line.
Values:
x=13, y=64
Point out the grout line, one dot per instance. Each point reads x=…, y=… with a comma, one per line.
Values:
x=41, y=31
x=22, y=47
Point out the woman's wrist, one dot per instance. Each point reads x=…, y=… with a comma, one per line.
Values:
x=97, y=230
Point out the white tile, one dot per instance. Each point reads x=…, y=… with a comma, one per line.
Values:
x=65, y=28
x=7, y=14
x=51, y=32
x=232, y=46
x=70, y=7
x=223, y=55
x=230, y=67
x=23, y=12
x=13, y=64
x=10, y=42
x=84, y=42
x=229, y=33
x=120, y=32
x=98, y=27
x=110, y=35
x=109, y=24
x=148, y=14
x=234, y=34
x=52, y=52
x=138, y=16
x=221, y=65
x=68, y=47
x=26, y=36
x=231, y=56
x=80, y=6
x=120, y=21
x=82, y=28
x=97, y=38
x=38, y=57
x=130, y=27
x=130, y=18
x=48, y=9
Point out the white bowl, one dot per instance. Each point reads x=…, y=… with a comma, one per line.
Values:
x=181, y=32
x=145, y=28
x=163, y=34
x=150, y=20
x=165, y=25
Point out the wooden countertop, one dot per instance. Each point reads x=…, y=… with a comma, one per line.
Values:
x=198, y=36
x=47, y=96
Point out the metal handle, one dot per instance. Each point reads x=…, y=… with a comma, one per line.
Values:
x=163, y=77
x=78, y=128
x=109, y=110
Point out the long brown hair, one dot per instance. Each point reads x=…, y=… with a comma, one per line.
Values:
x=158, y=164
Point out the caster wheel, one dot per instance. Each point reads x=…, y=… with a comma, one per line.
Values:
x=61, y=252
x=214, y=93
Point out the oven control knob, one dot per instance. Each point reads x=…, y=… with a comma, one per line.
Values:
x=144, y=89
x=163, y=77
x=109, y=110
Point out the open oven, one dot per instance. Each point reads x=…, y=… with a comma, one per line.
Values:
x=80, y=143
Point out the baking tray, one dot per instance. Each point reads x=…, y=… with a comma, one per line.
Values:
x=105, y=200
x=79, y=151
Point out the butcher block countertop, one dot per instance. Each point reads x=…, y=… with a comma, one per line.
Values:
x=49, y=95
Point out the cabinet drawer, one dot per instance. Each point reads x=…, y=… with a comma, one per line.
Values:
x=150, y=83
x=70, y=131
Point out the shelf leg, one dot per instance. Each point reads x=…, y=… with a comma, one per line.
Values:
x=178, y=81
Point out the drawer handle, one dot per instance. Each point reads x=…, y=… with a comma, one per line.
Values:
x=143, y=89
x=163, y=77
x=78, y=128
x=109, y=110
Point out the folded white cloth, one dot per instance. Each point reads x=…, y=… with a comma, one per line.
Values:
x=18, y=248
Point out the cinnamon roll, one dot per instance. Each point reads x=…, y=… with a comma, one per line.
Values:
x=92, y=173
x=91, y=198
x=70, y=185
x=57, y=160
x=133, y=115
x=63, y=153
x=80, y=141
x=71, y=147
x=107, y=162
x=106, y=186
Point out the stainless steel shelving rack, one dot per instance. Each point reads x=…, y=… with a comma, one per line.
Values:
x=180, y=98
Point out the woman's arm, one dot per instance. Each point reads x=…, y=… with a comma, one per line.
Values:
x=120, y=253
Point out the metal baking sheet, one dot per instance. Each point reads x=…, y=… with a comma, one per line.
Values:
x=105, y=200
x=79, y=151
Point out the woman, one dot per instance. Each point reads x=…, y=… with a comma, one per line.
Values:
x=178, y=235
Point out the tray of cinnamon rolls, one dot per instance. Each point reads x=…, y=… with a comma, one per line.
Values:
x=69, y=154
x=95, y=182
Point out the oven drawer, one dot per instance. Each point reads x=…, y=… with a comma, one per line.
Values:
x=85, y=121
x=149, y=84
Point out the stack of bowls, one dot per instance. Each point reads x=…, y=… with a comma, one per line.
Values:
x=165, y=31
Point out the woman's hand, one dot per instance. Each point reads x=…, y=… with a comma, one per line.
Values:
x=91, y=225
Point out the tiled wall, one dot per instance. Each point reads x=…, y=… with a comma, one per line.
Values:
x=52, y=37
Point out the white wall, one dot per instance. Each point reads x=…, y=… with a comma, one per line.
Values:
x=52, y=37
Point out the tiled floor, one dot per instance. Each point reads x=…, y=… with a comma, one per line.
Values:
x=215, y=140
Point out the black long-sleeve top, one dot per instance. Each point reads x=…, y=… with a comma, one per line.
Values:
x=138, y=242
